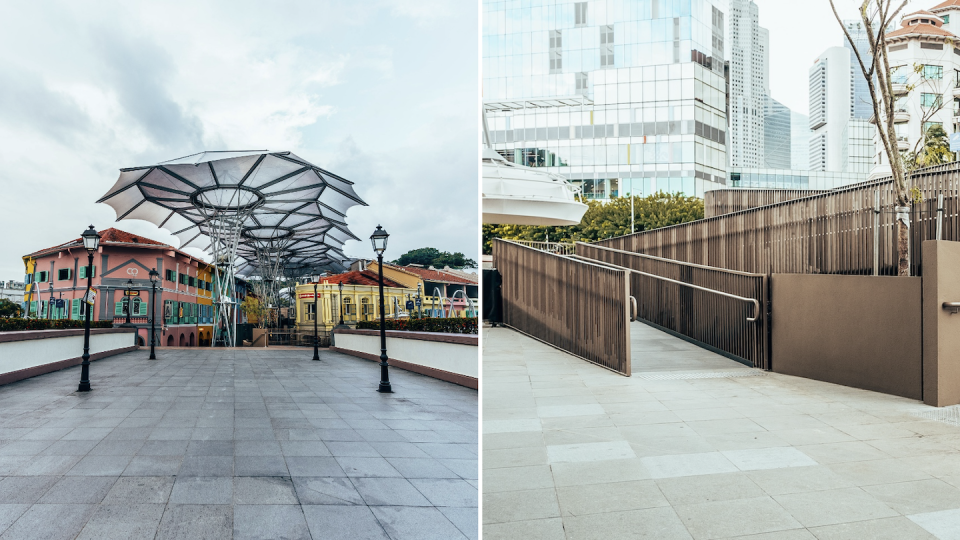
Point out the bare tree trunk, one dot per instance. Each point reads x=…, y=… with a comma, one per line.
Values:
x=903, y=241
x=881, y=14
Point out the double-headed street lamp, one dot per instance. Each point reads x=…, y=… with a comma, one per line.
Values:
x=316, y=315
x=379, y=241
x=154, y=279
x=91, y=241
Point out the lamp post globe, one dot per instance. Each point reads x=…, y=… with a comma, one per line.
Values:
x=91, y=241
x=154, y=279
x=379, y=241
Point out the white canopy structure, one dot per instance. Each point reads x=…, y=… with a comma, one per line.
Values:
x=521, y=195
x=273, y=209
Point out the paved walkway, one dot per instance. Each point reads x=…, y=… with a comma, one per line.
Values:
x=574, y=451
x=239, y=443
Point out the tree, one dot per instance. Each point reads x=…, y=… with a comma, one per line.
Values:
x=936, y=148
x=434, y=257
x=253, y=308
x=881, y=14
x=9, y=309
x=603, y=220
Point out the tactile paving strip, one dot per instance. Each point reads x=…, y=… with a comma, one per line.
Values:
x=685, y=375
x=947, y=415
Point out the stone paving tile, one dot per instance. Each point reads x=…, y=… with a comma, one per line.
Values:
x=237, y=444
x=771, y=457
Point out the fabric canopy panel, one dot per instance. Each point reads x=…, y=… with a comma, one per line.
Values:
x=284, y=203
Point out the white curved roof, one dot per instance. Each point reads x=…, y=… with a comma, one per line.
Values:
x=521, y=195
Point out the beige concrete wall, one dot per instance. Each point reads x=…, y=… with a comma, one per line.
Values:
x=941, y=329
x=859, y=331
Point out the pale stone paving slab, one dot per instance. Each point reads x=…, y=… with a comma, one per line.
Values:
x=574, y=451
x=237, y=443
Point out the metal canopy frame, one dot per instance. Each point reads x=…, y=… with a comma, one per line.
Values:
x=254, y=211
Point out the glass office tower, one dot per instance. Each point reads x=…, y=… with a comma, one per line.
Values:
x=619, y=96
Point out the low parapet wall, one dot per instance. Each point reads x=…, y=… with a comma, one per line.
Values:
x=449, y=357
x=35, y=352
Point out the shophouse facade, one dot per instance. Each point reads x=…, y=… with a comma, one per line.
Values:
x=183, y=307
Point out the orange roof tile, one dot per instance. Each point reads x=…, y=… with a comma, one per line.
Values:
x=113, y=236
x=920, y=30
x=436, y=275
x=947, y=4
x=360, y=277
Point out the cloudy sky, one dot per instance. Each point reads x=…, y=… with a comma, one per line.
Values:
x=799, y=32
x=381, y=92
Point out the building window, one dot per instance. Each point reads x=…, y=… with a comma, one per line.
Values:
x=932, y=72
x=582, y=83
x=171, y=275
x=606, y=45
x=580, y=10
x=946, y=19
x=556, y=51
x=931, y=100
x=64, y=274
x=928, y=125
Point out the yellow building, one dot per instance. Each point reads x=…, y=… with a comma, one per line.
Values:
x=442, y=293
x=205, y=275
x=360, y=300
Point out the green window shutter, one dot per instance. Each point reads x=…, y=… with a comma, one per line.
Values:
x=143, y=309
x=75, y=309
x=118, y=309
x=82, y=274
x=94, y=273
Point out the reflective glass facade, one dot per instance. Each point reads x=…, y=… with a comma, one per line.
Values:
x=787, y=179
x=609, y=93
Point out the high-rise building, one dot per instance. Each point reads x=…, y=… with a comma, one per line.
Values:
x=609, y=93
x=749, y=87
x=830, y=93
x=799, y=141
x=778, y=135
x=861, y=104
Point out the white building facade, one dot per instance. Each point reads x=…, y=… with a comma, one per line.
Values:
x=618, y=96
x=749, y=84
x=925, y=60
x=830, y=98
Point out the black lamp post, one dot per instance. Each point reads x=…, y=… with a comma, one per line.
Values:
x=91, y=241
x=316, y=315
x=340, y=286
x=129, y=298
x=49, y=308
x=379, y=241
x=154, y=278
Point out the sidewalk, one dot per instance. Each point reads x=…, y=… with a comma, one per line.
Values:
x=574, y=451
x=237, y=443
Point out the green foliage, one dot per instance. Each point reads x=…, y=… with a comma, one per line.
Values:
x=14, y=324
x=452, y=325
x=935, y=151
x=436, y=258
x=9, y=309
x=254, y=309
x=603, y=220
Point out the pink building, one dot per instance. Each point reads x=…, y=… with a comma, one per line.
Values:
x=184, y=290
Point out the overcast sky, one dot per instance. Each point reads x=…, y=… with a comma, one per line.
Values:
x=382, y=92
x=799, y=32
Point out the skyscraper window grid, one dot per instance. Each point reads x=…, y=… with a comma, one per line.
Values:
x=654, y=118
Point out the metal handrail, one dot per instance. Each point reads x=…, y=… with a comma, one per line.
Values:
x=756, y=304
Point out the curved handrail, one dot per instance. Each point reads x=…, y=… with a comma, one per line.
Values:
x=756, y=304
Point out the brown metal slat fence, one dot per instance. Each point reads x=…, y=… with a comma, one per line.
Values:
x=731, y=315
x=579, y=307
x=828, y=233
